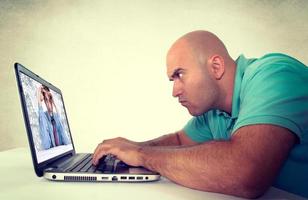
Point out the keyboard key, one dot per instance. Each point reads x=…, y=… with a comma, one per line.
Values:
x=87, y=166
x=92, y=169
x=109, y=167
x=120, y=166
x=76, y=162
x=82, y=164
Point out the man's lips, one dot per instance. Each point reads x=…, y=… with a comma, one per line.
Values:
x=183, y=102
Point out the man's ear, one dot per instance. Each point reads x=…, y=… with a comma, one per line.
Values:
x=216, y=66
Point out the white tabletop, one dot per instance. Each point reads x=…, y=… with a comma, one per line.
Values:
x=18, y=181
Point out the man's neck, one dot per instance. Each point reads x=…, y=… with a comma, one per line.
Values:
x=227, y=88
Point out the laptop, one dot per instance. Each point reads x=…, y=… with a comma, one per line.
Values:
x=51, y=143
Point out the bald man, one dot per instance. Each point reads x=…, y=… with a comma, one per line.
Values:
x=249, y=129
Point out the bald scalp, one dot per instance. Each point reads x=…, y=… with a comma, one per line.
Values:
x=203, y=45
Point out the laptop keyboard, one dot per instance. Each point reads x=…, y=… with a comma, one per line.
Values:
x=110, y=164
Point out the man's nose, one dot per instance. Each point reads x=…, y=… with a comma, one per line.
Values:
x=176, y=91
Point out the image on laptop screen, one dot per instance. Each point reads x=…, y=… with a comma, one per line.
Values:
x=48, y=122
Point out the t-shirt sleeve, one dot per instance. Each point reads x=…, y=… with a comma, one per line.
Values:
x=198, y=129
x=275, y=94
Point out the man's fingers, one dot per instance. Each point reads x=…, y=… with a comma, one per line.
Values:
x=96, y=149
x=97, y=152
x=101, y=150
x=100, y=145
x=99, y=155
x=105, y=147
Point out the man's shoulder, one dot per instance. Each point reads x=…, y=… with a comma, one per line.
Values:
x=273, y=56
x=272, y=64
x=274, y=92
x=272, y=60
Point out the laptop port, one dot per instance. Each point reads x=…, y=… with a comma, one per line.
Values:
x=114, y=178
x=105, y=178
x=139, y=177
x=123, y=177
x=131, y=178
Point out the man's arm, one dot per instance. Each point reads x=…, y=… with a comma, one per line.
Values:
x=43, y=130
x=64, y=140
x=174, y=139
x=42, y=121
x=245, y=166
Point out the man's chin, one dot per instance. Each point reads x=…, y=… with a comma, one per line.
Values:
x=194, y=113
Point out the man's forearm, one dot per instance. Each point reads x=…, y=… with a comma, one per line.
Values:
x=171, y=139
x=210, y=166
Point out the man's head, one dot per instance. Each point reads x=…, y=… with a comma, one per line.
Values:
x=200, y=67
x=47, y=98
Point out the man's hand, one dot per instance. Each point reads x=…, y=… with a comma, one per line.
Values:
x=124, y=149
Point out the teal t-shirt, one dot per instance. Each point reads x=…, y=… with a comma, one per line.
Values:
x=272, y=89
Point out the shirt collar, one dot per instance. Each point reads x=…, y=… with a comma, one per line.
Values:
x=241, y=64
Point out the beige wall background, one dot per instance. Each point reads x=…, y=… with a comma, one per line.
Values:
x=108, y=57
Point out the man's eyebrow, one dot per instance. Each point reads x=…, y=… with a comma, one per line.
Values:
x=175, y=72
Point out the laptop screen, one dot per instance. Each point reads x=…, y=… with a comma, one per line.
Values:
x=47, y=118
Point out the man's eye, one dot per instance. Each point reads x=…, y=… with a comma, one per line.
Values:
x=179, y=75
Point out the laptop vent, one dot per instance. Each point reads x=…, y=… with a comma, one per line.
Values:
x=79, y=178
